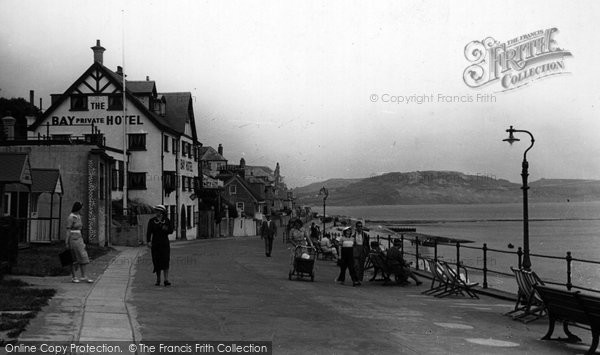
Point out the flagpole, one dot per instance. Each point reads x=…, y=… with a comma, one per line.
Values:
x=124, y=120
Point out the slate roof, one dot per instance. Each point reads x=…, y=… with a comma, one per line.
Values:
x=141, y=87
x=178, y=105
x=242, y=182
x=12, y=166
x=45, y=180
x=208, y=153
x=179, y=110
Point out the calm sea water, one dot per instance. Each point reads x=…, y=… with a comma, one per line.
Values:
x=554, y=229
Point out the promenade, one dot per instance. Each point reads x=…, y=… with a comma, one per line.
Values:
x=226, y=289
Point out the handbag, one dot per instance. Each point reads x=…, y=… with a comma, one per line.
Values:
x=66, y=257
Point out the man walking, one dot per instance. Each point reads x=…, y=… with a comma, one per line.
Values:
x=361, y=250
x=268, y=230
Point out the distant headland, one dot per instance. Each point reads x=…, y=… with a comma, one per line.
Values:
x=443, y=187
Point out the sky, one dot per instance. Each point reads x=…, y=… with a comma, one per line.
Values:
x=324, y=87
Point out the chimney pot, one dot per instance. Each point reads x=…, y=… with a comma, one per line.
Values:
x=98, y=52
x=147, y=78
x=31, y=97
x=220, y=149
x=120, y=70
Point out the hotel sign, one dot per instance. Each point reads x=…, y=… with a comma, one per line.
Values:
x=516, y=62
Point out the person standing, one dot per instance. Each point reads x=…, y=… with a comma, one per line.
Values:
x=74, y=242
x=347, y=257
x=268, y=230
x=361, y=250
x=157, y=236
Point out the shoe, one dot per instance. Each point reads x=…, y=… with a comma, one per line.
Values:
x=90, y=281
x=157, y=283
x=419, y=283
x=75, y=280
x=357, y=283
x=167, y=283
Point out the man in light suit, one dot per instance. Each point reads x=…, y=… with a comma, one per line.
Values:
x=268, y=230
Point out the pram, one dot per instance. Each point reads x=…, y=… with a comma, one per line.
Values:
x=302, y=261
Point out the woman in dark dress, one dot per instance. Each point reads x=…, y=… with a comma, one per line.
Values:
x=157, y=236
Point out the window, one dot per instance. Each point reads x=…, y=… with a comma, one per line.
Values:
x=189, y=216
x=115, y=102
x=196, y=182
x=166, y=143
x=79, y=103
x=169, y=181
x=136, y=181
x=183, y=183
x=174, y=146
x=183, y=148
x=195, y=151
x=117, y=177
x=137, y=141
x=239, y=206
x=232, y=189
x=6, y=204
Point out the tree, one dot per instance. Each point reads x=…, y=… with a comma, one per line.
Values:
x=18, y=108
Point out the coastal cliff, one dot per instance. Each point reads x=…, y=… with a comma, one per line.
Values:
x=443, y=187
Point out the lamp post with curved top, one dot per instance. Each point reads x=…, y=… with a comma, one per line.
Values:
x=325, y=193
x=524, y=174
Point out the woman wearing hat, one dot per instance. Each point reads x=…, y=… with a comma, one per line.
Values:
x=157, y=236
x=74, y=242
x=347, y=257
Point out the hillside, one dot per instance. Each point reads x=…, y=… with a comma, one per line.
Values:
x=443, y=187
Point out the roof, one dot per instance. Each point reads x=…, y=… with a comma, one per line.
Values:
x=244, y=184
x=15, y=168
x=210, y=154
x=116, y=80
x=46, y=180
x=141, y=87
x=179, y=110
x=259, y=171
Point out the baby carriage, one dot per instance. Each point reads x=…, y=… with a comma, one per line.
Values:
x=302, y=262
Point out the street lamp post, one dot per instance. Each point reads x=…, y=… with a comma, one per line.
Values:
x=325, y=193
x=524, y=174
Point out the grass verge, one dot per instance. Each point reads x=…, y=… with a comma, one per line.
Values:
x=42, y=260
x=18, y=305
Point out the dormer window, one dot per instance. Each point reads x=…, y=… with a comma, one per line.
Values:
x=79, y=103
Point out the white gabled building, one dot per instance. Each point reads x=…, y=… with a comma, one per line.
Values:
x=161, y=142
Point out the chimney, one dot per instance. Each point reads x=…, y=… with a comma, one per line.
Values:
x=31, y=97
x=220, y=149
x=41, y=109
x=147, y=78
x=54, y=98
x=120, y=70
x=9, y=126
x=98, y=52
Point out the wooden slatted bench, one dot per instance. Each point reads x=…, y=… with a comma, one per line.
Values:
x=571, y=308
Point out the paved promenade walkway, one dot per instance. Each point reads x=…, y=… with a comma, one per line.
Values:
x=226, y=289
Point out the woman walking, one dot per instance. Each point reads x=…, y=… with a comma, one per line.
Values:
x=157, y=236
x=347, y=257
x=74, y=242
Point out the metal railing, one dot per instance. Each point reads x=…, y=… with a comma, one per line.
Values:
x=484, y=269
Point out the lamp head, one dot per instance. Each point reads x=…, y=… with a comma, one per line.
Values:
x=511, y=137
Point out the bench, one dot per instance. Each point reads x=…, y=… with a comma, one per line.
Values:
x=571, y=308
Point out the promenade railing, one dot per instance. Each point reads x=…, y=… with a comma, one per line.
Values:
x=486, y=271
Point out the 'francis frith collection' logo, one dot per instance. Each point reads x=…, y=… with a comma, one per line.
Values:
x=515, y=63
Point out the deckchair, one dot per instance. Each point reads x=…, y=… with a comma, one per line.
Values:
x=437, y=275
x=529, y=305
x=456, y=285
x=378, y=262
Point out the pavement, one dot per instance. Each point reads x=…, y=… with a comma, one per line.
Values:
x=227, y=290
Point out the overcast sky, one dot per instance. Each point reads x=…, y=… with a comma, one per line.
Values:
x=295, y=82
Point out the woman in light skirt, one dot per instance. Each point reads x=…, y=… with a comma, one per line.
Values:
x=74, y=242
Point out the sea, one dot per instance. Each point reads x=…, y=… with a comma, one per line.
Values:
x=554, y=230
